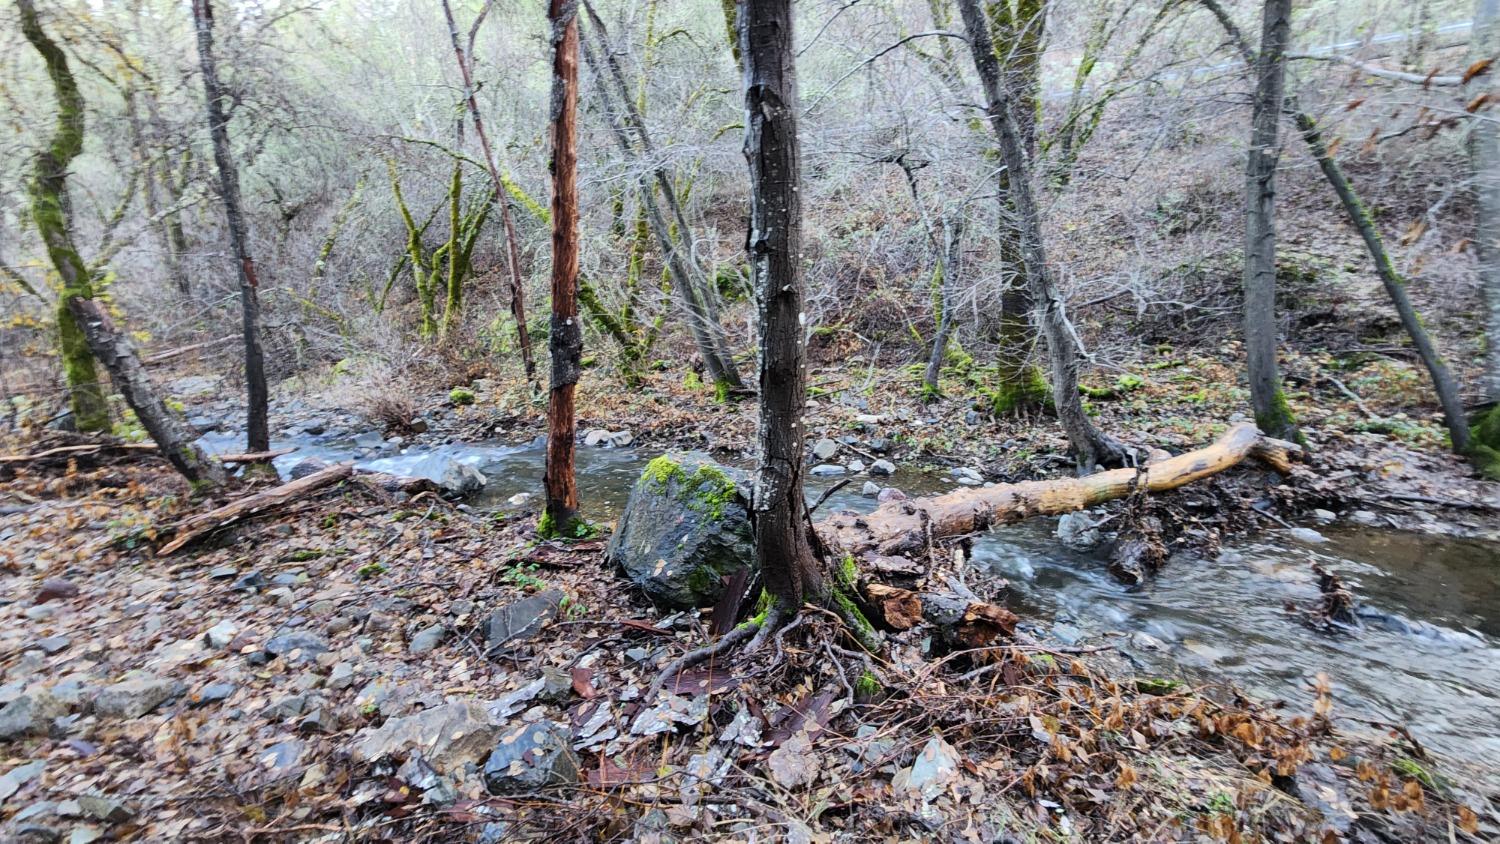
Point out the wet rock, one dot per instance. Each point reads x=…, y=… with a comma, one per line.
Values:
x=308, y=466
x=427, y=640
x=448, y=737
x=1307, y=535
x=1078, y=532
x=684, y=530
x=220, y=635
x=105, y=808
x=136, y=697
x=827, y=470
x=530, y=757
x=890, y=493
x=297, y=647
x=56, y=590
x=825, y=449
x=1325, y=517
x=1364, y=517
x=870, y=489
x=521, y=619
x=883, y=468
x=460, y=480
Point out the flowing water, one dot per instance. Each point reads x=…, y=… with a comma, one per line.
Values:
x=1427, y=658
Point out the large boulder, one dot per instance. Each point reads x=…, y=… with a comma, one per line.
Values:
x=684, y=529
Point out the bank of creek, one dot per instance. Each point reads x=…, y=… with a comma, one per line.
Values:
x=1427, y=657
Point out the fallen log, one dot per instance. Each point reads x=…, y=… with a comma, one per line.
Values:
x=907, y=528
x=75, y=451
x=193, y=527
x=891, y=539
x=255, y=456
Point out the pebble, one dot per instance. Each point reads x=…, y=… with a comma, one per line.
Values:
x=825, y=449
x=857, y=466
x=427, y=640
x=212, y=693
x=1324, y=516
x=134, y=698
x=870, y=489
x=220, y=635
x=883, y=468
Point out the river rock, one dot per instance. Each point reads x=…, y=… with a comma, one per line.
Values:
x=824, y=470
x=890, y=493
x=521, y=619
x=684, y=529
x=529, y=757
x=460, y=480
x=825, y=449
x=448, y=737
x=136, y=697
x=870, y=489
x=1077, y=532
x=883, y=468
x=308, y=466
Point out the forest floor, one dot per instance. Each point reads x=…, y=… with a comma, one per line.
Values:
x=341, y=668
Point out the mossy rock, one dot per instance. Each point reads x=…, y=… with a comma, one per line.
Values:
x=684, y=529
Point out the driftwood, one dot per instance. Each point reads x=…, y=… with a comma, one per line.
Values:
x=114, y=350
x=169, y=354
x=890, y=540
x=193, y=527
x=255, y=456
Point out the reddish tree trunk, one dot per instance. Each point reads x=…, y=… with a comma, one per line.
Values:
x=566, y=340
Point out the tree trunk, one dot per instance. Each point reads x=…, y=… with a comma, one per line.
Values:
x=951, y=266
x=48, y=191
x=114, y=350
x=1484, y=159
x=790, y=570
x=257, y=426
x=1266, y=397
x=507, y=220
x=1092, y=448
x=566, y=337
x=688, y=278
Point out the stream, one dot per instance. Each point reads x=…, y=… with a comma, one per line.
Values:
x=1428, y=657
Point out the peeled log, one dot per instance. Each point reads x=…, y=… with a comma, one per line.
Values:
x=906, y=528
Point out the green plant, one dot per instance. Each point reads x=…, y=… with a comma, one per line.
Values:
x=369, y=570
x=522, y=575
x=460, y=396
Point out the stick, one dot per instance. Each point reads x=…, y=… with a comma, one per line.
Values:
x=194, y=527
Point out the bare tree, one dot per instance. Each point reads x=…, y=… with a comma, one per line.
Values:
x=566, y=337
x=950, y=266
x=48, y=191
x=1091, y=447
x=257, y=427
x=1272, y=413
x=1484, y=160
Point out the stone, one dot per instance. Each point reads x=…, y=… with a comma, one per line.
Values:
x=825, y=449
x=30, y=714
x=520, y=499
x=621, y=439
x=1307, y=535
x=211, y=693
x=290, y=706
x=932, y=772
x=883, y=468
x=54, y=589
x=427, y=640
x=856, y=466
x=596, y=438
x=417, y=425
x=870, y=489
x=529, y=757
x=40, y=612
x=85, y=835
x=341, y=677
x=867, y=419
x=251, y=581
x=320, y=720
x=1364, y=517
x=460, y=480
x=890, y=493
x=684, y=530
x=52, y=645
x=105, y=808
x=223, y=572
x=522, y=619
x=12, y=781
x=220, y=635
x=1077, y=532
x=448, y=737
x=308, y=466
x=136, y=697
x=297, y=647
x=827, y=470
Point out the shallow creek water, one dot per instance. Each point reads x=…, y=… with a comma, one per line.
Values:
x=1428, y=657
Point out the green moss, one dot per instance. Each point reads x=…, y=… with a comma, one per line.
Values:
x=1484, y=448
x=1278, y=421
x=859, y=626
x=661, y=470
x=867, y=687
x=721, y=391
x=460, y=396
x=1018, y=391
x=1413, y=769
x=1156, y=685
x=848, y=572
x=707, y=490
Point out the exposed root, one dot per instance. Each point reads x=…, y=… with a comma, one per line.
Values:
x=741, y=632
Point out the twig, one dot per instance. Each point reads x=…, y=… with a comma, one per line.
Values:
x=1351, y=395
x=740, y=633
x=826, y=493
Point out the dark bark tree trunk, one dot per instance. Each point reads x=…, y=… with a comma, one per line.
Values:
x=1272, y=413
x=507, y=220
x=257, y=426
x=48, y=191
x=695, y=291
x=566, y=338
x=951, y=266
x=1091, y=447
x=119, y=357
x=790, y=570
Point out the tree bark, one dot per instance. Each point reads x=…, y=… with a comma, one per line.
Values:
x=1484, y=159
x=788, y=566
x=692, y=287
x=257, y=426
x=1092, y=448
x=1266, y=397
x=951, y=266
x=48, y=191
x=507, y=220
x=566, y=339
x=119, y=357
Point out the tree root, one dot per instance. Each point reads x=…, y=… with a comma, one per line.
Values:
x=741, y=632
